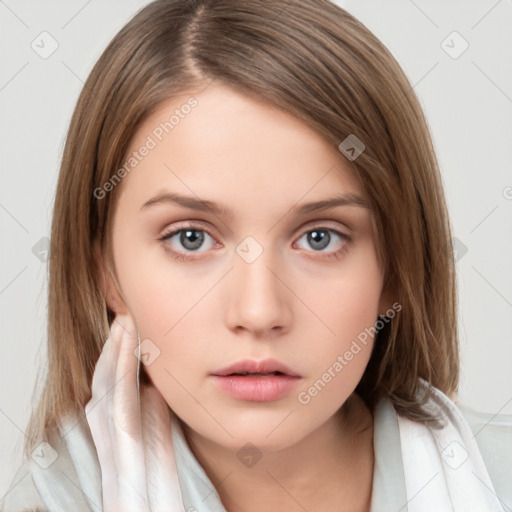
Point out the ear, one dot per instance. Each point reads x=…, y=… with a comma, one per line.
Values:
x=108, y=284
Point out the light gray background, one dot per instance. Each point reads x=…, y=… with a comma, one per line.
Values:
x=468, y=103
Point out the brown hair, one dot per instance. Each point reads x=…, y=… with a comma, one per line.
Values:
x=314, y=60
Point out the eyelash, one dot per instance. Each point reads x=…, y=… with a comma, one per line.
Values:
x=187, y=256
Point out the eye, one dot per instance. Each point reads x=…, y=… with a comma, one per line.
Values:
x=323, y=238
x=187, y=239
x=184, y=241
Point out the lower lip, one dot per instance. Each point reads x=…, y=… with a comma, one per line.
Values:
x=264, y=388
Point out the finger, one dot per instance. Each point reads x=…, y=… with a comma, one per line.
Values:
x=105, y=370
x=125, y=400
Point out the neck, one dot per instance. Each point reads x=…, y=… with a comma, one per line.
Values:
x=332, y=466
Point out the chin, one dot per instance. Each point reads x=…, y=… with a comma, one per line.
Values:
x=267, y=434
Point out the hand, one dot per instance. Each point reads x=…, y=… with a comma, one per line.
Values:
x=132, y=437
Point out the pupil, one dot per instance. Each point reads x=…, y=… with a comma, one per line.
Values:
x=319, y=239
x=191, y=239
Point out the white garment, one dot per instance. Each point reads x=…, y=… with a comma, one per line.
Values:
x=443, y=469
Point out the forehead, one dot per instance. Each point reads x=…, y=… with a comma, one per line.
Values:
x=234, y=149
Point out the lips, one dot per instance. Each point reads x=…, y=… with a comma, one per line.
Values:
x=250, y=367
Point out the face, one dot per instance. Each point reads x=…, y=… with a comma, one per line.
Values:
x=258, y=277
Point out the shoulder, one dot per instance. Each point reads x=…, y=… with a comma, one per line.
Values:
x=488, y=435
x=493, y=435
x=62, y=474
x=486, y=426
x=22, y=494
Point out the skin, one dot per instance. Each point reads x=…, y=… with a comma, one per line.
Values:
x=292, y=303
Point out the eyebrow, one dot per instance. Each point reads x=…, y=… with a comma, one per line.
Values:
x=204, y=205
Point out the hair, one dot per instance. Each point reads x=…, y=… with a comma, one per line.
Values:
x=309, y=58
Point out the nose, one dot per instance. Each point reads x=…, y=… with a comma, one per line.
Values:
x=258, y=299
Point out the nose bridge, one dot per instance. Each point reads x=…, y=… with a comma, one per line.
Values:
x=259, y=300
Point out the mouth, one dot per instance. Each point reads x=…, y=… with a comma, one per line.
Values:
x=256, y=374
x=256, y=381
x=250, y=367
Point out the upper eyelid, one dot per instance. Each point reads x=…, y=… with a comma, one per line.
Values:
x=190, y=225
x=194, y=224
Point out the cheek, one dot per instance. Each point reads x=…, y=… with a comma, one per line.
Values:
x=341, y=355
x=155, y=308
x=170, y=304
x=348, y=306
x=348, y=301
x=156, y=294
x=176, y=319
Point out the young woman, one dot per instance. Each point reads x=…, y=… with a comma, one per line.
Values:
x=252, y=303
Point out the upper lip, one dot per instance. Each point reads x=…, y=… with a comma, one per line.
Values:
x=251, y=366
